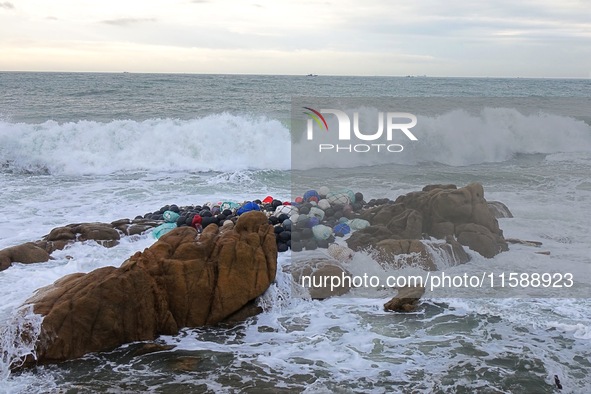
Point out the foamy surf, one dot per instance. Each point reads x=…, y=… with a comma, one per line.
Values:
x=72, y=170
x=220, y=142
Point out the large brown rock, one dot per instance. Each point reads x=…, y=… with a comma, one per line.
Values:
x=443, y=211
x=479, y=239
x=382, y=214
x=26, y=253
x=183, y=280
x=316, y=276
x=135, y=226
x=407, y=299
x=368, y=237
x=399, y=253
x=407, y=225
x=103, y=233
x=499, y=210
x=414, y=251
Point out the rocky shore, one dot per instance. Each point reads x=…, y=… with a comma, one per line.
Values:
x=180, y=281
x=210, y=262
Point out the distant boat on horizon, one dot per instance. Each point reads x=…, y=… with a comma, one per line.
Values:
x=312, y=75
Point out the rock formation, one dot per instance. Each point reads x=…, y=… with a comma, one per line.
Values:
x=499, y=210
x=319, y=273
x=183, y=280
x=407, y=299
x=26, y=253
x=403, y=252
x=104, y=234
x=439, y=211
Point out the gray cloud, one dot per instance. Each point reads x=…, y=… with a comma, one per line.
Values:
x=127, y=21
x=199, y=1
x=7, y=5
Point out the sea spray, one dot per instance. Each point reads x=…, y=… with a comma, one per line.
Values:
x=18, y=338
x=281, y=293
x=442, y=257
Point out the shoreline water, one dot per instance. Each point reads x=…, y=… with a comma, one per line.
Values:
x=500, y=311
x=451, y=345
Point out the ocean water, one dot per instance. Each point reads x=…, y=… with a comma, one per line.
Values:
x=99, y=147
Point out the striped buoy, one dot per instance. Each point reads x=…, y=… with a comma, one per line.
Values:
x=338, y=198
x=340, y=253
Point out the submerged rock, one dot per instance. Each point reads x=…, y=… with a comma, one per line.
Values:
x=499, y=210
x=26, y=253
x=536, y=244
x=105, y=234
x=181, y=281
x=316, y=276
x=407, y=299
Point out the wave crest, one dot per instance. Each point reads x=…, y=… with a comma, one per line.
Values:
x=221, y=142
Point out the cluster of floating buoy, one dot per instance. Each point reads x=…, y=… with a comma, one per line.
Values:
x=315, y=219
x=312, y=220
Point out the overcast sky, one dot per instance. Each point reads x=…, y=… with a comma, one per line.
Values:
x=525, y=38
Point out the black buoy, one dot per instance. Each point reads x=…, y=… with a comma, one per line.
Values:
x=206, y=221
x=322, y=243
x=285, y=236
x=311, y=244
x=557, y=382
x=205, y=213
x=296, y=246
x=307, y=233
x=305, y=209
x=296, y=236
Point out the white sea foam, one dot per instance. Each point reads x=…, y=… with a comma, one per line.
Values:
x=579, y=331
x=18, y=339
x=225, y=142
x=349, y=340
x=220, y=142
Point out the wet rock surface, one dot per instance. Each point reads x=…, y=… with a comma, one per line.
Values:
x=181, y=281
x=437, y=211
x=407, y=299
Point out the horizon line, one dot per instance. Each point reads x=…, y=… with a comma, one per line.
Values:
x=287, y=75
